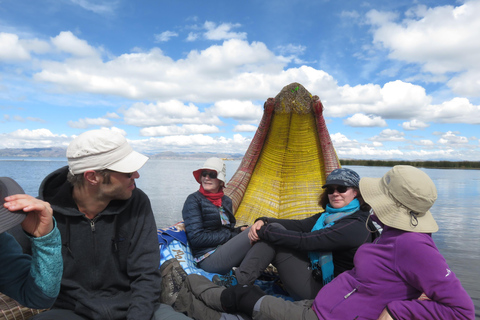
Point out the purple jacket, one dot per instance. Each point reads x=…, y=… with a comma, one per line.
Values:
x=393, y=273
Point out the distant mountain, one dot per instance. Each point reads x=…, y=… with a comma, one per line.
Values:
x=60, y=153
x=34, y=152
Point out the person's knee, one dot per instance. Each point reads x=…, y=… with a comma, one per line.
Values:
x=277, y=225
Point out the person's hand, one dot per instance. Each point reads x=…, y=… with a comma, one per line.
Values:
x=38, y=221
x=252, y=234
x=385, y=315
x=243, y=228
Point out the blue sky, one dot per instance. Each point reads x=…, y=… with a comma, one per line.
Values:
x=398, y=79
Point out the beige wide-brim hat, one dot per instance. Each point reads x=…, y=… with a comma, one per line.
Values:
x=214, y=164
x=402, y=199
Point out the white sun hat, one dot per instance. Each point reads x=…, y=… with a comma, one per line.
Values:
x=103, y=149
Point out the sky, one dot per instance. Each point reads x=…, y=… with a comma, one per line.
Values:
x=397, y=79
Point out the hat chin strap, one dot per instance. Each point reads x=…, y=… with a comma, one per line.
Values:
x=413, y=219
x=366, y=225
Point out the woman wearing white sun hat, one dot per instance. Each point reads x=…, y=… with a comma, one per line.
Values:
x=210, y=223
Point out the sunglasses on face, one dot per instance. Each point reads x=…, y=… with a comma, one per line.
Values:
x=211, y=174
x=340, y=189
x=128, y=174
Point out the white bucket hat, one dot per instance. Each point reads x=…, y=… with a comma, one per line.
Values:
x=103, y=149
x=402, y=199
x=215, y=164
x=9, y=219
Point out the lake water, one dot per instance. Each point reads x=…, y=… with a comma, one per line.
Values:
x=169, y=182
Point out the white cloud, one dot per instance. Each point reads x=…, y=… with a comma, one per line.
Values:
x=202, y=143
x=192, y=36
x=222, y=31
x=245, y=128
x=291, y=49
x=25, y=138
x=362, y=120
x=238, y=110
x=237, y=70
x=451, y=138
x=389, y=135
x=368, y=152
x=414, y=125
x=105, y=7
x=90, y=122
x=11, y=49
x=112, y=115
x=18, y=118
x=424, y=142
x=441, y=39
x=350, y=15
x=165, y=36
x=342, y=141
x=397, y=99
x=186, y=129
x=457, y=110
x=68, y=42
x=167, y=113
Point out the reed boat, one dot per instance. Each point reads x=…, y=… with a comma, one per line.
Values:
x=287, y=162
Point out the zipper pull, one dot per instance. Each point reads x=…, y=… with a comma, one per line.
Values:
x=350, y=293
x=92, y=225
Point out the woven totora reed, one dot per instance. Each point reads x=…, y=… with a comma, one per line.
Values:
x=286, y=164
x=12, y=310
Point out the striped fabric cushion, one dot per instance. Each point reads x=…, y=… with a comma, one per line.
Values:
x=12, y=310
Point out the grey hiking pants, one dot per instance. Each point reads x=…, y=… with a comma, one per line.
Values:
x=293, y=268
x=228, y=255
x=199, y=298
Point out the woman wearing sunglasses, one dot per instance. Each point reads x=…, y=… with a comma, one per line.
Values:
x=210, y=224
x=309, y=253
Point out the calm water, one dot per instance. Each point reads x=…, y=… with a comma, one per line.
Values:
x=169, y=182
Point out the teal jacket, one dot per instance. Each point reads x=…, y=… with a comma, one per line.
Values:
x=34, y=281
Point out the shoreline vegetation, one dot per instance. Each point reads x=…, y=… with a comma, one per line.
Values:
x=441, y=164
x=432, y=164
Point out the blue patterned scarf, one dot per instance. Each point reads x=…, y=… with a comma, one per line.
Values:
x=324, y=259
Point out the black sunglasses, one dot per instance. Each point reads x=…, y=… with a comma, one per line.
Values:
x=340, y=189
x=211, y=174
x=128, y=174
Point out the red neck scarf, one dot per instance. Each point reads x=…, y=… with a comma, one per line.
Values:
x=215, y=198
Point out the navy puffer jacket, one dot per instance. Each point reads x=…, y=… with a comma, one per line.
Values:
x=203, y=226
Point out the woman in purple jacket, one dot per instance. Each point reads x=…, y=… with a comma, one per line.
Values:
x=402, y=275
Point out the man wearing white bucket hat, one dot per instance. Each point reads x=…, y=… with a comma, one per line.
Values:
x=110, y=245
x=402, y=275
x=34, y=281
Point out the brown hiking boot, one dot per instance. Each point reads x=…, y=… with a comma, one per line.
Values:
x=173, y=277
